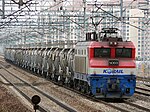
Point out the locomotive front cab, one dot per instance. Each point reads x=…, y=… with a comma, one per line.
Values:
x=112, y=72
x=112, y=68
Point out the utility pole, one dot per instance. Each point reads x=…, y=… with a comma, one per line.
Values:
x=146, y=34
x=3, y=9
x=84, y=3
x=121, y=17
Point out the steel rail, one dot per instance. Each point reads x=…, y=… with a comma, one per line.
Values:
x=143, y=89
x=101, y=101
x=78, y=92
x=143, y=79
x=61, y=104
x=142, y=93
x=23, y=94
x=90, y=97
x=137, y=106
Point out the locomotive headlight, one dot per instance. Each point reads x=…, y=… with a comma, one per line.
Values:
x=110, y=43
x=115, y=43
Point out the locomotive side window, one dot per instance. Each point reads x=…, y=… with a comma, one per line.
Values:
x=102, y=52
x=123, y=53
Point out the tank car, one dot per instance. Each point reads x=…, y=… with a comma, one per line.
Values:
x=39, y=60
x=29, y=55
x=35, y=57
x=44, y=61
x=32, y=59
x=10, y=54
x=24, y=57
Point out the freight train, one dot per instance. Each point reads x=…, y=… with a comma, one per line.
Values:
x=102, y=66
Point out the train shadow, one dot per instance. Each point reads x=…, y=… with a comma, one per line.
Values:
x=113, y=100
x=119, y=100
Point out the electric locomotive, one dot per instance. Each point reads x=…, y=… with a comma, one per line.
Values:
x=102, y=66
x=107, y=67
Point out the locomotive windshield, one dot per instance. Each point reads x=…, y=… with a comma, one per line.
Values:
x=102, y=52
x=123, y=53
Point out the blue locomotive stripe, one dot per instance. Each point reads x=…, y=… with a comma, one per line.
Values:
x=108, y=75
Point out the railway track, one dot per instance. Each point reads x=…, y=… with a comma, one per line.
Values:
x=103, y=101
x=93, y=99
x=148, y=85
x=86, y=96
x=144, y=91
x=146, y=79
x=22, y=93
x=137, y=106
x=61, y=104
x=111, y=105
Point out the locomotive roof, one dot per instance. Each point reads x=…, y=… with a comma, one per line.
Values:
x=126, y=44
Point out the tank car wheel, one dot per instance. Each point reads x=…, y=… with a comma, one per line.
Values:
x=66, y=81
x=70, y=84
x=35, y=70
x=56, y=78
x=59, y=79
x=74, y=84
x=77, y=85
x=89, y=91
x=42, y=72
x=82, y=89
x=78, y=88
x=63, y=81
x=53, y=76
x=31, y=68
x=38, y=71
x=28, y=68
x=47, y=76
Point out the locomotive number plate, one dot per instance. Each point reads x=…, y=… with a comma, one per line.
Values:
x=113, y=62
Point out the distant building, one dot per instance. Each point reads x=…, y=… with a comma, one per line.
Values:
x=133, y=22
x=133, y=18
